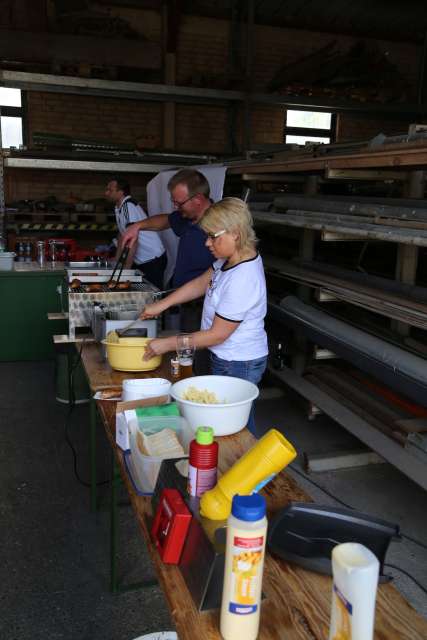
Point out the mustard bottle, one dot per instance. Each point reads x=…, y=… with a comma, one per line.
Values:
x=244, y=563
x=255, y=469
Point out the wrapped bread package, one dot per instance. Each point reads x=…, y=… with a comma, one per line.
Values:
x=154, y=439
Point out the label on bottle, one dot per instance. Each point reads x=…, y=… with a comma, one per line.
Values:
x=200, y=480
x=262, y=483
x=344, y=611
x=245, y=574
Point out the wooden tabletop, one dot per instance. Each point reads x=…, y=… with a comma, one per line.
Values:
x=297, y=604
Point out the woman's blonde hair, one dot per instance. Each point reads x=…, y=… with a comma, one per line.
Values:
x=233, y=215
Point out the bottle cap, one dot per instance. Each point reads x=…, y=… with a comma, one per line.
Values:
x=248, y=508
x=204, y=435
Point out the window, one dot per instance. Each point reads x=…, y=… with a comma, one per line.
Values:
x=309, y=126
x=11, y=117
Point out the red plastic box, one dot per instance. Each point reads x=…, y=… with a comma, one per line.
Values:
x=170, y=525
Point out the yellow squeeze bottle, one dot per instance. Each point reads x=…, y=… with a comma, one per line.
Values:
x=256, y=468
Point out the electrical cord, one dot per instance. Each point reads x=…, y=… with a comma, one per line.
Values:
x=345, y=504
x=72, y=404
x=408, y=575
x=414, y=540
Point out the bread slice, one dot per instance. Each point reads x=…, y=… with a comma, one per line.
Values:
x=163, y=444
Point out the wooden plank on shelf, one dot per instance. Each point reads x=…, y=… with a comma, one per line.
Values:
x=363, y=231
x=404, y=156
x=330, y=236
x=402, y=302
x=364, y=174
x=318, y=462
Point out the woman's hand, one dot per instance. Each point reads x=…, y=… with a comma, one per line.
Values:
x=156, y=347
x=152, y=310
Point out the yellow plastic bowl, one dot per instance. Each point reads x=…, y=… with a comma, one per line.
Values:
x=125, y=354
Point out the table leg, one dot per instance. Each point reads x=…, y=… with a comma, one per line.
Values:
x=115, y=586
x=115, y=483
x=70, y=376
x=92, y=445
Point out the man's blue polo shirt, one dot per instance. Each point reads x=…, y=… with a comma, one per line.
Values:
x=193, y=258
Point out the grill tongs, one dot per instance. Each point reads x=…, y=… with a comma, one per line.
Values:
x=121, y=261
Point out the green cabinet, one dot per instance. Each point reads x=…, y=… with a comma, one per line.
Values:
x=27, y=295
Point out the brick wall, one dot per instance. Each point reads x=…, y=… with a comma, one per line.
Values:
x=66, y=186
x=111, y=119
x=201, y=128
x=202, y=51
x=358, y=126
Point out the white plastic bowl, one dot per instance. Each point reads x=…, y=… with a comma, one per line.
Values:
x=230, y=416
x=137, y=388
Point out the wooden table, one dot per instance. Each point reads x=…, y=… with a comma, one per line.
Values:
x=297, y=604
x=100, y=375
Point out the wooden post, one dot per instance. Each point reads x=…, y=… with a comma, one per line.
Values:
x=306, y=252
x=407, y=255
x=170, y=25
x=249, y=73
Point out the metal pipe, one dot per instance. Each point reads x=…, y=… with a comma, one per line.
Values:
x=323, y=205
x=403, y=371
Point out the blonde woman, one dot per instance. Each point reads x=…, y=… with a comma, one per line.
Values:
x=235, y=302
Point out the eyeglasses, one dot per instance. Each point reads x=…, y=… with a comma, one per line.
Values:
x=178, y=205
x=217, y=234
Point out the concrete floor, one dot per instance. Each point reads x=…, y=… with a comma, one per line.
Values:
x=55, y=568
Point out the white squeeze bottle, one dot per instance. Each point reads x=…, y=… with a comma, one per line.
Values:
x=244, y=563
x=355, y=578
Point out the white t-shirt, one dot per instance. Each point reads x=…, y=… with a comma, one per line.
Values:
x=149, y=244
x=238, y=294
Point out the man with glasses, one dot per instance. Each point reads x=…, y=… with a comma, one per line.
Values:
x=190, y=192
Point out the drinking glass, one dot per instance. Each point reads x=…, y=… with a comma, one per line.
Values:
x=185, y=352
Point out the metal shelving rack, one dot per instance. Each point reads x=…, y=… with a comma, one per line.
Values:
x=106, y=166
x=408, y=158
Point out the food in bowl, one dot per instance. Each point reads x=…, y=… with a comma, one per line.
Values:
x=224, y=417
x=200, y=395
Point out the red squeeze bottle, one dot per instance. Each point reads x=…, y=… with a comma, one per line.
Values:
x=203, y=462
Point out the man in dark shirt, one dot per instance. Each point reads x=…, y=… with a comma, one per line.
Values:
x=189, y=191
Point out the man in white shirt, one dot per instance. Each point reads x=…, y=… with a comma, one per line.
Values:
x=148, y=253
